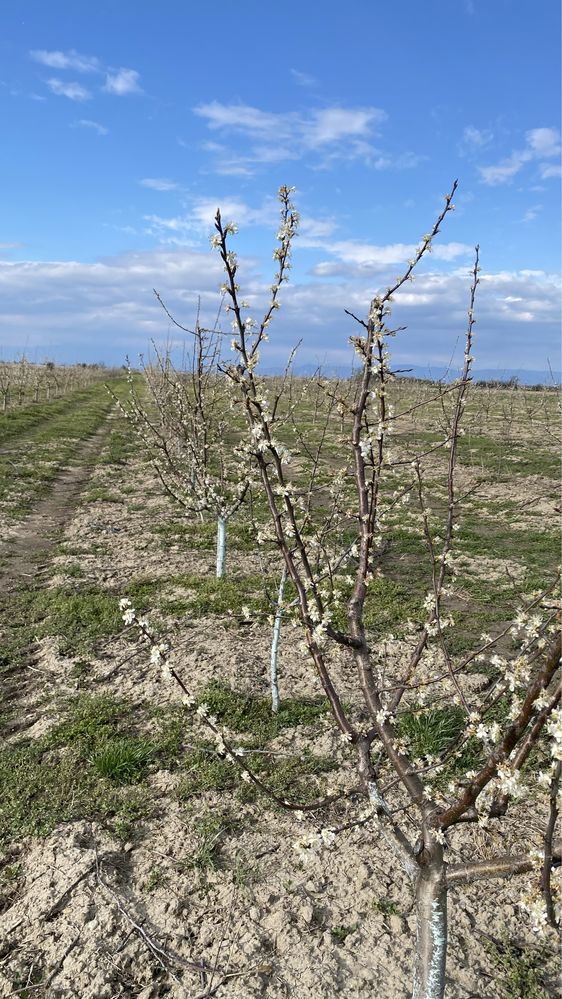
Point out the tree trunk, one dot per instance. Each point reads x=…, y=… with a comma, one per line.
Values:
x=431, y=942
x=221, y=546
x=275, y=643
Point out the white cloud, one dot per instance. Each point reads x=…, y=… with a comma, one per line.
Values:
x=317, y=128
x=66, y=60
x=545, y=142
x=328, y=134
x=355, y=258
x=173, y=231
x=541, y=144
x=334, y=124
x=74, y=91
x=122, y=82
x=159, y=184
x=233, y=209
x=311, y=230
x=93, y=125
x=104, y=310
x=199, y=220
x=242, y=117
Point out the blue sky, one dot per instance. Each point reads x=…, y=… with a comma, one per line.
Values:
x=125, y=126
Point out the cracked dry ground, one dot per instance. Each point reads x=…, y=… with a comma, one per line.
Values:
x=171, y=878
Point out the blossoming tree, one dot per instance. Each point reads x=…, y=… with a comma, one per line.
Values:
x=332, y=535
x=526, y=678
x=185, y=425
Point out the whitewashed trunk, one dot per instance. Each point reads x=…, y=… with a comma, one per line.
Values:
x=431, y=942
x=275, y=643
x=221, y=547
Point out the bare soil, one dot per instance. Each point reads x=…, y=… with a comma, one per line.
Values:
x=94, y=918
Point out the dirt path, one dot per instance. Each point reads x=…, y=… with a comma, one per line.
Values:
x=24, y=560
x=21, y=559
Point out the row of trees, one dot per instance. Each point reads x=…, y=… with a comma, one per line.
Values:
x=332, y=490
x=24, y=381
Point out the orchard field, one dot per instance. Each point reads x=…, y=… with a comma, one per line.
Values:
x=136, y=859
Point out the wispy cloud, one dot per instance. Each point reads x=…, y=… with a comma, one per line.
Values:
x=159, y=184
x=328, y=134
x=318, y=127
x=93, y=125
x=541, y=144
x=66, y=60
x=532, y=213
x=550, y=170
x=303, y=79
x=74, y=91
x=123, y=82
x=474, y=139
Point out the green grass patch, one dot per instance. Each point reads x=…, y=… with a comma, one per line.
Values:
x=123, y=760
x=40, y=788
x=431, y=731
x=207, y=595
x=194, y=535
x=298, y=779
x=99, y=494
x=388, y=606
x=253, y=716
x=91, y=764
x=80, y=617
x=205, y=771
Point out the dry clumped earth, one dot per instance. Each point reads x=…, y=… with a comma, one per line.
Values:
x=95, y=915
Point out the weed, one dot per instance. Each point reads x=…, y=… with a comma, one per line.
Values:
x=28, y=984
x=74, y=570
x=288, y=778
x=244, y=874
x=431, y=731
x=387, y=607
x=210, y=831
x=522, y=970
x=385, y=906
x=90, y=721
x=206, y=595
x=203, y=536
x=156, y=879
x=123, y=760
x=205, y=771
x=98, y=494
x=340, y=934
x=53, y=433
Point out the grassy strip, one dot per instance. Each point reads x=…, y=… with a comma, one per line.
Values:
x=56, y=438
